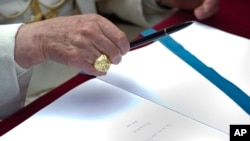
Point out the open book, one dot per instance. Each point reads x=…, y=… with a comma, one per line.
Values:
x=154, y=95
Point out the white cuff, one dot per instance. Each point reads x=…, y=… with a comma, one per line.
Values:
x=8, y=32
x=12, y=92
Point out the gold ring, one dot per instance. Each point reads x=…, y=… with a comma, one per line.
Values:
x=102, y=63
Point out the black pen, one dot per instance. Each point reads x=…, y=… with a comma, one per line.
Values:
x=159, y=34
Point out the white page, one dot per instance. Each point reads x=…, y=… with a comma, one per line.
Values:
x=97, y=111
x=226, y=53
x=155, y=73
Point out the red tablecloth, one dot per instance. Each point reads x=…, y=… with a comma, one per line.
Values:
x=232, y=17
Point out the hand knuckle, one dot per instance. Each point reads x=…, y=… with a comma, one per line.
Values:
x=121, y=36
x=87, y=31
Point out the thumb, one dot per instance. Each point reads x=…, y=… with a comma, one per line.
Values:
x=207, y=9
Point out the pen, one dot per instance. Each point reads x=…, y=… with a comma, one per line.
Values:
x=159, y=34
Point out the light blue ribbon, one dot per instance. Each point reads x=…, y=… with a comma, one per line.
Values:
x=230, y=89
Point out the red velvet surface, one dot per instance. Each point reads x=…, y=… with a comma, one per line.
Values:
x=20, y=116
x=233, y=16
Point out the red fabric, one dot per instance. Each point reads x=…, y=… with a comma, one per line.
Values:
x=232, y=17
x=35, y=106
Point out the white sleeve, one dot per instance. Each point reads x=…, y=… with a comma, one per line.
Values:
x=86, y=6
x=141, y=12
x=14, y=79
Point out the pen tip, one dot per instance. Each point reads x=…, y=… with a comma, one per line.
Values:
x=189, y=22
x=178, y=27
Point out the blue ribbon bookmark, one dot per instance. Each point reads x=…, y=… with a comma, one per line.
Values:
x=230, y=89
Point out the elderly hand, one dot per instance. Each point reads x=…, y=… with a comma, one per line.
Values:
x=76, y=41
x=202, y=8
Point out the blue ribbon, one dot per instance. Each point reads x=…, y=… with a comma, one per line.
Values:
x=230, y=89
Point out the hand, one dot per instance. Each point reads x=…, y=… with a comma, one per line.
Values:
x=202, y=8
x=75, y=41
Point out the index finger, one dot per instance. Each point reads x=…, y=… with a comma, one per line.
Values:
x=114, y=34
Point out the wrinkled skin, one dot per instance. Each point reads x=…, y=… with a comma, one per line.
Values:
x=74, y=41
